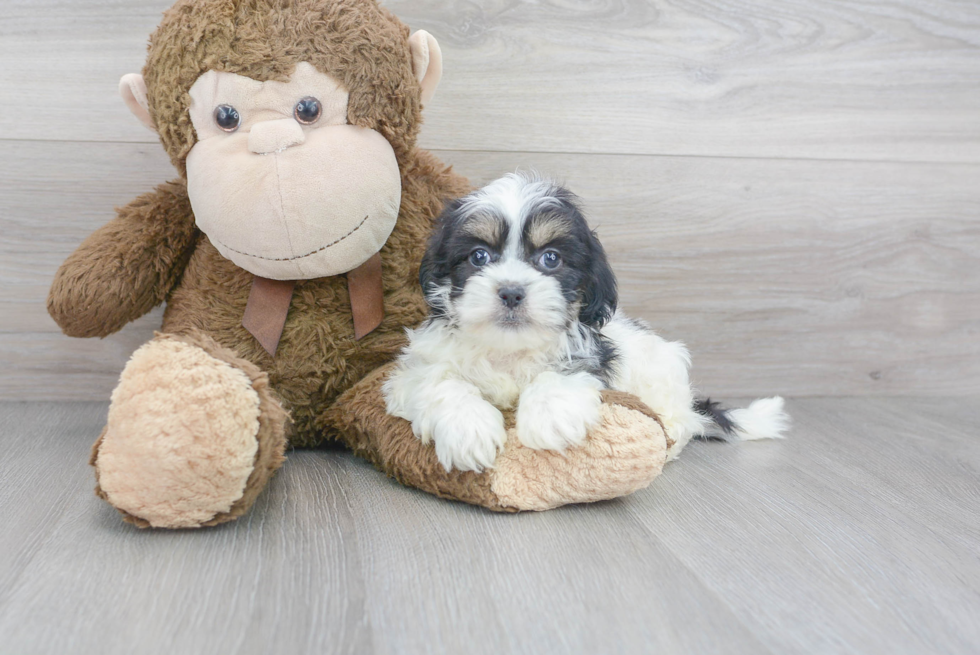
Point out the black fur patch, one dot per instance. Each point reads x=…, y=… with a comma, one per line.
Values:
x=719, y=415
x=585, y=275
x=446, y=260
x=607, y=356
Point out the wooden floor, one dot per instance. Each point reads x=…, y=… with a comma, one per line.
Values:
x=858, y=534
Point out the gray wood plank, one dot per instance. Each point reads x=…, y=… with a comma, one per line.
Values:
x=793, y=277
x=584, y=579
x=886, y=79
x=38, y=445
x=76, y=579
x=856, y=534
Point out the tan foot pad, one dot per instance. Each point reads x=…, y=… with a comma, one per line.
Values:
x=181, y=439
x=622, y=455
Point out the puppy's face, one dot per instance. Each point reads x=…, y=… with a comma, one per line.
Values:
x=515, y=263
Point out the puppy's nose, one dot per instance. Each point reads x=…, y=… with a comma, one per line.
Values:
x=275, y=135
x=511, y=296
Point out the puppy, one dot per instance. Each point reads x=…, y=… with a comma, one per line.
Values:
x=523, y=314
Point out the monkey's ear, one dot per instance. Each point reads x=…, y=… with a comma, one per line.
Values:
x=426, y=62
x=132, y=88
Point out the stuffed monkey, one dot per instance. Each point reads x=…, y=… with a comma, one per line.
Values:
x=287, y=253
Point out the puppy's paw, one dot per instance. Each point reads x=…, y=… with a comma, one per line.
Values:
x=468, y=434
x=556, y=411
x=625, y=451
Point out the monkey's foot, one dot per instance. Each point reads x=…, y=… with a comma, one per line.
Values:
x=194, y=433
x=623, y=453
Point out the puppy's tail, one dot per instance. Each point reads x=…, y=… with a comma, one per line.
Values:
x=764, y=418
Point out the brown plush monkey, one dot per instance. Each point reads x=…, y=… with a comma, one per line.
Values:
x=292, y=124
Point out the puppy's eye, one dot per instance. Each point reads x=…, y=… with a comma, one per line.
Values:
x=307, y=111
x=549, y=260
x=227, y=118
x=479, y=257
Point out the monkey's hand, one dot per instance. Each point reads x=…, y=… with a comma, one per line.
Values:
x=127, y=267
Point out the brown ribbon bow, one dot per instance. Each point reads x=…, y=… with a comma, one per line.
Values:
x=268, y=304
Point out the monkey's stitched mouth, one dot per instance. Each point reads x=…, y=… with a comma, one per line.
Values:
x=309, y=254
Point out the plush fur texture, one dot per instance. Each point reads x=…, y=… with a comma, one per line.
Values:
x=127, y=267
x=357, y=42
x=623, y=454
x=153, y=252
x=524, y=316
x=189, y=467
x=318, y=357
x=388, y=443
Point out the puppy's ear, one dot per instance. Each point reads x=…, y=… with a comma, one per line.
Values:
x=599, y=295
x=435, y=265
x=427, y=274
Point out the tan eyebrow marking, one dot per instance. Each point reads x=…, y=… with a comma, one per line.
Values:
x=484, y=227
x=545, y=228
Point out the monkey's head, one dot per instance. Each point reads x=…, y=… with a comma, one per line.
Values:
x=290, y=121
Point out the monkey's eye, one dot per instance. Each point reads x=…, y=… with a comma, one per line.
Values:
x=307, y=111
x=550, y=260
x=479, y=257
x=227, y=118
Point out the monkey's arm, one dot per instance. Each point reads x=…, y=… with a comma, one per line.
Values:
x=127, y=267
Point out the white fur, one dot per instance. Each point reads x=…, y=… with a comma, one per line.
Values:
x=656, y=371
x=556, y=411
x=762, y=419
x=476, y=426
x=443, y=369
x=479, y=311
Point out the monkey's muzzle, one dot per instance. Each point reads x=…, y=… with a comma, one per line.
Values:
x=289, y=204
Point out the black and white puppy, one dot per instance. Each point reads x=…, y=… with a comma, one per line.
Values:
x=523, y=314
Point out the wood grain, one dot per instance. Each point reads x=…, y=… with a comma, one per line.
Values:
x=793, y=277
x=255, y=588
x=583, y=579
x=858, y=533
x=882, y=80
x=814, y=539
